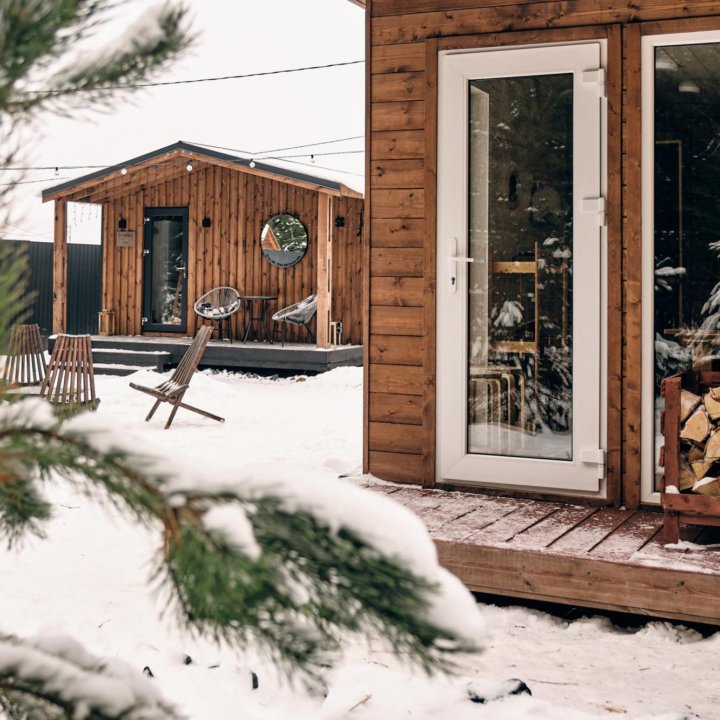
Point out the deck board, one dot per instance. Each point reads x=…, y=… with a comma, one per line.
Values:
x=629, y=537
x=488, y=512
x=514, y=523
x=590, y=532
x=569, y=553
x=553, y=527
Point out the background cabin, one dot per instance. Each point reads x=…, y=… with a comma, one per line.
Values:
x=540, y=203
x=183, y=219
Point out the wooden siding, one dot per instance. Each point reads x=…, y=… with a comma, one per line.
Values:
x=229, y=252
x=404, y=37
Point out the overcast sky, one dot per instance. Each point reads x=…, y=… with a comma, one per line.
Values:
x=252, y=114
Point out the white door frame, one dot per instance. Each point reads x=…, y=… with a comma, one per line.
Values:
x=454, y=463
x=649, y=43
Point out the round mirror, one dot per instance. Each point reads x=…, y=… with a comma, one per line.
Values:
x=284, y=240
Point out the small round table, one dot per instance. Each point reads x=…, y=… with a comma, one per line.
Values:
x=256, y=307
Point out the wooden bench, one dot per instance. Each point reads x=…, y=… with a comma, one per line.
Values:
x=69, y=382
x=25, y=363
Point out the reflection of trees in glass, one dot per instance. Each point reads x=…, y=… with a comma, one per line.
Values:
x=530, y=220
x=686, y=213
x=284, y=232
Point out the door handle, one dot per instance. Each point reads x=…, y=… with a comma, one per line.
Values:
x=454, y=260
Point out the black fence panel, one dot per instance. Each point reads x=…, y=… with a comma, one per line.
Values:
x=84, y=288
x=84, y=292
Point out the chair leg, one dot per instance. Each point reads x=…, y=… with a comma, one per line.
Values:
x=309, y=331
x=152, y=412
x=176, y=405
x=204, y=413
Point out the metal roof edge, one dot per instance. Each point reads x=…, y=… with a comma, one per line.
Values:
x=181, y=145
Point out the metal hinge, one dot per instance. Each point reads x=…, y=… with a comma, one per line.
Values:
x=143, y=320
x=594, y=457
x=595, y=205
x=146, y=252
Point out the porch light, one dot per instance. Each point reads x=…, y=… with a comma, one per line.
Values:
x=122, y=223
x=206, y=222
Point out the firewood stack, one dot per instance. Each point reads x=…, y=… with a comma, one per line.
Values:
x=700, y=442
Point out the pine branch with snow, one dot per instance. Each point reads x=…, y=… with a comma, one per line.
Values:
x=42, y=46
x=239, y=564
x=54, y=678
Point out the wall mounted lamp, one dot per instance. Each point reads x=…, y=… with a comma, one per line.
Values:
x=206, y=222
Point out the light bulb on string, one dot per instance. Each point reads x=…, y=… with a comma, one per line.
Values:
x=188, y=167
x=123, y=170
x=252, y=163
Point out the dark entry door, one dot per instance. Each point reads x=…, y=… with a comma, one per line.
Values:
x=165, y=270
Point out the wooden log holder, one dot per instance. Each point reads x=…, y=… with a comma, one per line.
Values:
x=676, y=456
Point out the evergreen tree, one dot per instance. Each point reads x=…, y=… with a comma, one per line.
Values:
x=239, y=565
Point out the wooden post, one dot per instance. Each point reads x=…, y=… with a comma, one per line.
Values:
x=324, y=270
x=60, y=267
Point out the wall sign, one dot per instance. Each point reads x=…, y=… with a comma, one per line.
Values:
x=125, y=238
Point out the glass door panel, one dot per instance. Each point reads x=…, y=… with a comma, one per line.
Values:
x=520, y=286
x=165, y=271
x=519, y=230
x=685, y=219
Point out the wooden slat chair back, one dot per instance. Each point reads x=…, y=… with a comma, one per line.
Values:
x=172, y=390
x=70, y=378
x=25, y=363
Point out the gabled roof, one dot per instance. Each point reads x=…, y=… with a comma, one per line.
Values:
x=93, y=186
x=360, y=3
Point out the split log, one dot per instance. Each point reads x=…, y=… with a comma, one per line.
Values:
x=697, y=452
x=701, y=468
x=687, y=478
x=711, y=401
x=688, y=402
x=712, y=446
x=697, y=427
x=708, y=486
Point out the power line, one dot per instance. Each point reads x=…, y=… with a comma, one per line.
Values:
x=135, y=86
x=29, y=182
x=317, y=144
x=339, y=152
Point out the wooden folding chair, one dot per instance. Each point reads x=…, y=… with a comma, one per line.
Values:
x=172, y=390
x=25, y=363
x=70, y=379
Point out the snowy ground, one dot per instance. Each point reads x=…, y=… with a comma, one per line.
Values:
x=88, y=580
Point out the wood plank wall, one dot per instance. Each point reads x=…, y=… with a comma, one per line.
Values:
x=226, y=253
x=402, y=44
x=347, y=275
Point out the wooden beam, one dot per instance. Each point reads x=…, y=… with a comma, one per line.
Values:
x=324, y=270
x=60, y=267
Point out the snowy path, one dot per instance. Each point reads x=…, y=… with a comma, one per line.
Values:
x=89, y=580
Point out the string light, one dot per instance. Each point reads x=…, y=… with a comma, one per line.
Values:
x=188, y=167
x=123, y=170
x=252, y=163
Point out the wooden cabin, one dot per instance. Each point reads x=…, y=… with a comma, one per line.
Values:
x=542, y=251
x=184, y=219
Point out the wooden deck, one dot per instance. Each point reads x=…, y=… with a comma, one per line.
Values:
x=294, y=357
x=572, y=554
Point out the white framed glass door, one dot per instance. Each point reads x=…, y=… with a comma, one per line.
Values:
x=520, y=248
x=680, y=227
